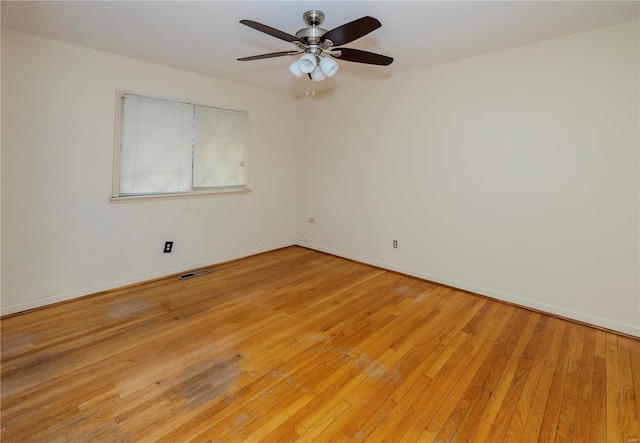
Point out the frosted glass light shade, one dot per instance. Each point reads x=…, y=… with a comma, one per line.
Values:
x=307, y=63
x=295, y=69
x=317, y=75
x=329, y=66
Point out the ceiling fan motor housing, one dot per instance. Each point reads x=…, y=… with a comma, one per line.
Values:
x=313, y=17
x=311, y=35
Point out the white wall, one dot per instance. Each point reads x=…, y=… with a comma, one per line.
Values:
x=61, y=236
x=513, y=175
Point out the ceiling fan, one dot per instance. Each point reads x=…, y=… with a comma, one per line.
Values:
x=316, y=43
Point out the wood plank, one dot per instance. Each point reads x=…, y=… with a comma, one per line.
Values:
x=550, y=419
x=526, y=380
x=504, y=381
x=568, y=405
x=615, y=392
x=543, y=387
x=585, y=389
x=630, y=410
x=598, y=413
x=634, y=358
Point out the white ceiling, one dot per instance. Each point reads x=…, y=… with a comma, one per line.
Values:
x=205, y=36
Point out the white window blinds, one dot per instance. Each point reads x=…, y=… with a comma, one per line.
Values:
x=170, y=147
x=156, y=146
x=218, y=153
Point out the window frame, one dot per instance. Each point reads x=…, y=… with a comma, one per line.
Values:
x=117, y=149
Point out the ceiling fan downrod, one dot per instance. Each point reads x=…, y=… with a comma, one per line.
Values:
x=310, y=37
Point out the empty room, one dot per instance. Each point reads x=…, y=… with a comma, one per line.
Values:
x=331, y=221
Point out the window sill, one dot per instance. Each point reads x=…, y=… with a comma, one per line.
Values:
x=210, y=193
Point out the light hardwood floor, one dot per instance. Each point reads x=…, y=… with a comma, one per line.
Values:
x=298, y=345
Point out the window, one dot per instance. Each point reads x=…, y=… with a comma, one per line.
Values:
x=166, y=147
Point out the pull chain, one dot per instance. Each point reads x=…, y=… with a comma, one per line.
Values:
x=311, y=91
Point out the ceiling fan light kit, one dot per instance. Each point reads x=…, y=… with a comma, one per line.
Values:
x=329, y=66
x=295, y=69
x=317, y=75
x=307, y=63
x=317, y=45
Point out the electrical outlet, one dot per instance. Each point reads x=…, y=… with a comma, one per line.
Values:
x=395, y=244
x=168, y=245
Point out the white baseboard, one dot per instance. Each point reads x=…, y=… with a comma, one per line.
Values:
x=613, y=325
x=57, y=298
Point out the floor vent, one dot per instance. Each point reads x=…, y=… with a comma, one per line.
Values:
x=193, y=274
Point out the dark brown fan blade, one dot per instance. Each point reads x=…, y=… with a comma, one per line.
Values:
x=358, y=56
x=351, y=31
x=269, y=30
x=270, y=55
